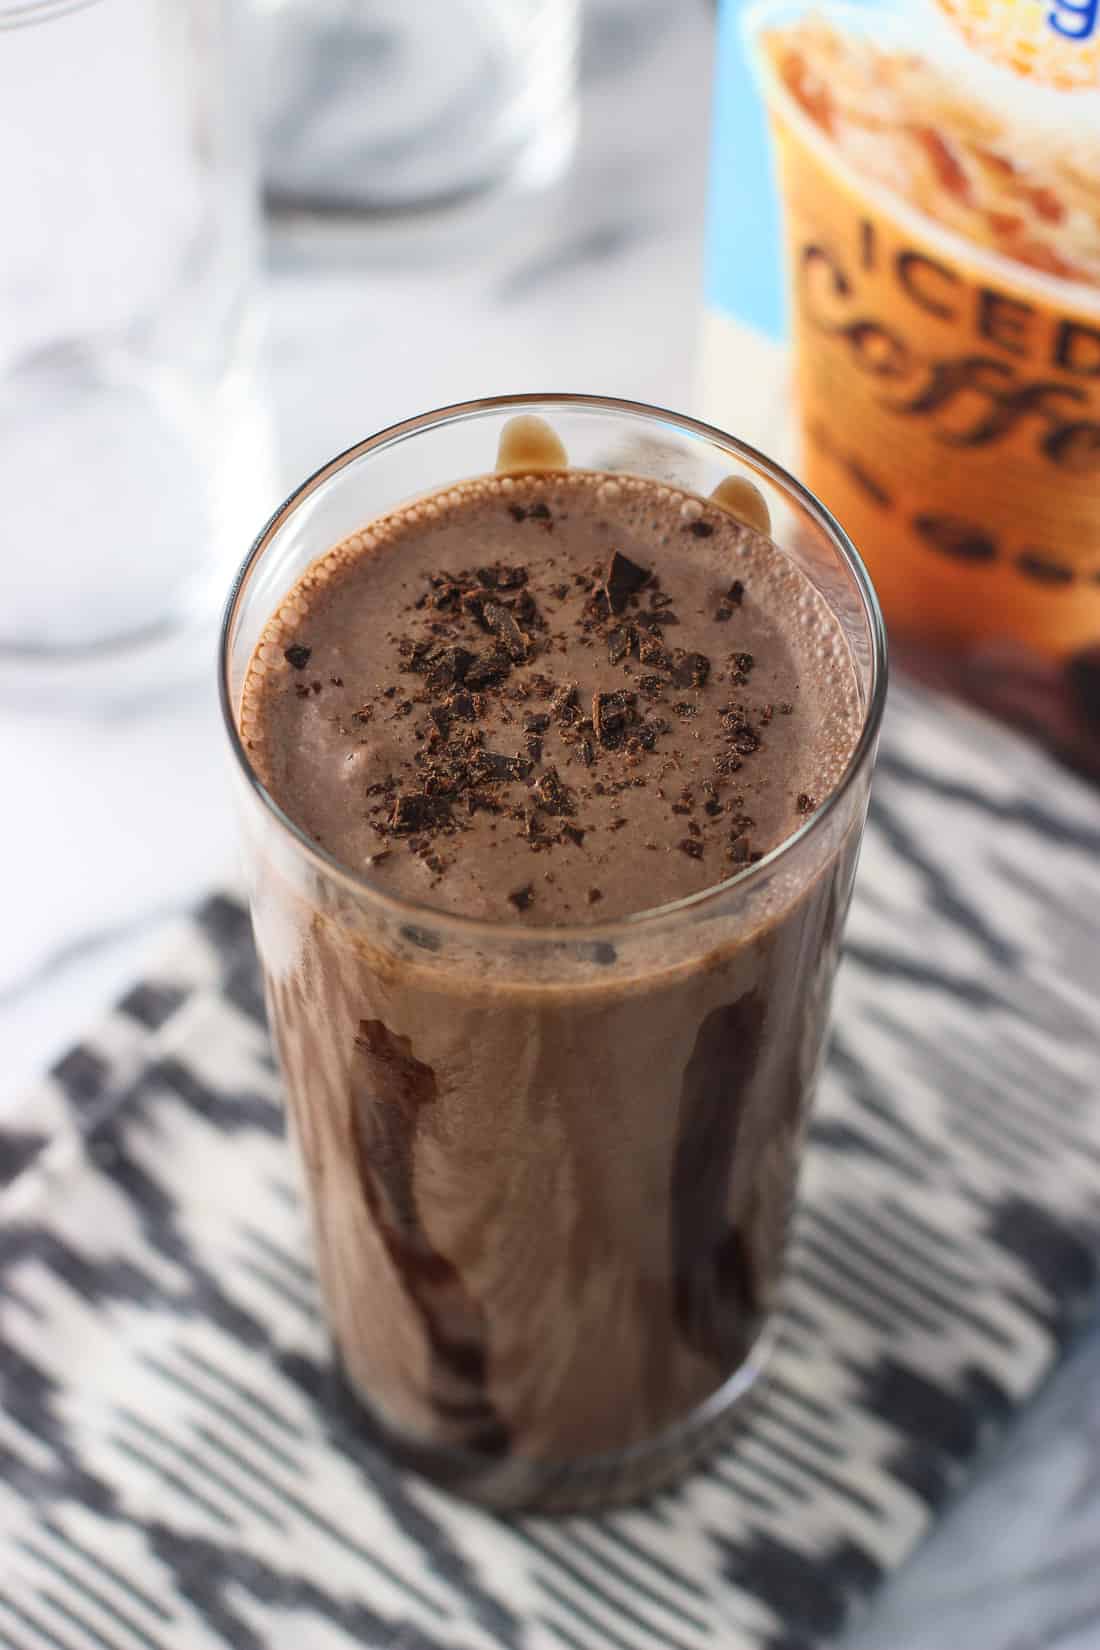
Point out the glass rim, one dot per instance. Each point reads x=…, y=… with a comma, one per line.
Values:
x=16, y=14
x=421, y=911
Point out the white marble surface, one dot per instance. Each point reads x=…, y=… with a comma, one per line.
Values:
x=115, y=821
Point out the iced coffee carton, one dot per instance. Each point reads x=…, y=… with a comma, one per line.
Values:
x=904, y=299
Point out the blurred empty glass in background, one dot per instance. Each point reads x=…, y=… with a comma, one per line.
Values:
x=133, y=454
x=392, y=106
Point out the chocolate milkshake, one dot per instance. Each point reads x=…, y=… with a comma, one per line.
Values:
x=551, y=1130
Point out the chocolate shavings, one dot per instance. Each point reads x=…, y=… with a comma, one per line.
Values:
x=502, y=622
x=620, y=642
x=611, y=715
x=624, y=578
x=489, y=667
x=689, y=669
x=552, y=794
x=416, y=811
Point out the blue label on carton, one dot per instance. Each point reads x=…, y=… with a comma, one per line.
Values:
x=744, y=273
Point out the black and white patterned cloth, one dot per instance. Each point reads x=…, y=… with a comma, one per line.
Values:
x=172, y=1478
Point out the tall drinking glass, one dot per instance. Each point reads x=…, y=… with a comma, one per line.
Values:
x=406, y=106
x=132, y=447
x=551, y=1169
